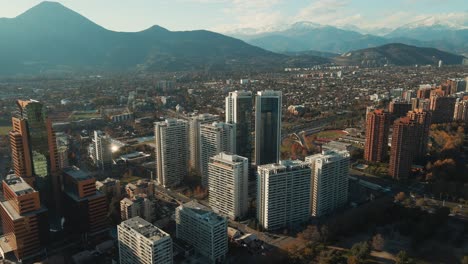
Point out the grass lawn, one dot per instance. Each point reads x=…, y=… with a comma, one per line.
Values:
x=330, y=134
x=4, y=130
x=125, y=180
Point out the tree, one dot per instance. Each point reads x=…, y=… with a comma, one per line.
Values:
x=378, y=242
x=353, y=260
x=400, y=196
x=361, y=250
x=311, y=233
x=402, y=258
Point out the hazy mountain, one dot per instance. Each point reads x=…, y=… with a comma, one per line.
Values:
x=51, y=37
x=397, y=54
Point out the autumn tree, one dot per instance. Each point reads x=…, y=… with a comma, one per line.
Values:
x=378, y=242
x=361, y=250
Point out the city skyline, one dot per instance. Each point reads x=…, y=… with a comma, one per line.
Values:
x=260, y=15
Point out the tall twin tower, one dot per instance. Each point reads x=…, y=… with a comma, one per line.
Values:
x=239, y=111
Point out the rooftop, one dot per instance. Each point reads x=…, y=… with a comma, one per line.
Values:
x=77, y=173
x=202, y=212
x=144, y=228
x=18, y=185
x=285, y=165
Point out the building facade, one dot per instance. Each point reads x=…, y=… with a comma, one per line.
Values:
x=377, y=129
x=461, y=111
x=171, y=151
x=283, y=194
x=206, y=231
x=404, y=142
x=329, y=187
x=137, y=206
x=194, y=138
x=144, y=243
x=102, y=151
x=424, y=118
x=228, y=185
x=442, y=109
x=267, y=127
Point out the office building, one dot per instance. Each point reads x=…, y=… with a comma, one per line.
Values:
x=267, y=127
x=24, y=220
x=102, y=151
x=377, y=129
x=194, y=138
x=201, y=228
x=239, y=105
x=461, y=111
x=215, y=138
x=143, y=243
x=34, y=151
x=228, y=185
x=424, y=118
x=85, y=209
x=329, y=187
x=171, y=151
x=442, y=109
x=283, y=194
x=403, y=148
x=139, y=205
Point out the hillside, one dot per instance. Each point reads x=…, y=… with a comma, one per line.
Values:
x=52, y=38
x=397, y=54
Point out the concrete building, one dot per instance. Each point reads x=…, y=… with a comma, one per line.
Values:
x=399, y=109
x=442, y=109
x=171, y=151
x=24, y=220
x=109, y=186
x=62, y=150
x=228, y=185
x=461, y=111
x=194, y=138
x=215, y=138
x=34, y=152
x=404, y=143
x=144, y=243
x=239, y=105
x=283, y=194
x=143, y=186
x=377, y=129
x=102, y=151
x=267, y=127
x=424, y=118
x=206, y=231
x=137, y=206
x=329, y=187
x=85, y=209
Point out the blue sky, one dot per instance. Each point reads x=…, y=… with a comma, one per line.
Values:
x=229, y=15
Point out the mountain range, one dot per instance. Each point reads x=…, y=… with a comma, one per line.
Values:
x=305, y=36
x=50, y=38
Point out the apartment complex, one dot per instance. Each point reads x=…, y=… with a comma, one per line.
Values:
x=283, y=194
x=194, y=138
x=171, y=151
x=329, y=187
x=377, y=129
x=206, y=231
x=137, y=206
x=424, y=119
x=142, y=242
x=442, y=108
x=228, y=185
x=461, y=111
x=404, y=143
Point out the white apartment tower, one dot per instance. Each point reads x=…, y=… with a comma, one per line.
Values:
x=171, y=151
x=142, y=242
x=206, y=231
x=283, y=194
x=194, y=138
x=214, y=138
x=228, y=182
x=267, y=127
x=102, y=155
x=239, y=105
x=329, y=189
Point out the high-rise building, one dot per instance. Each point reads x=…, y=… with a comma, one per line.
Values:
x=102, y=150
x=239, y=111
x=206, y=231
x=424, y=118
x=34, y=152
x=171, y=151
x=399, y=109
x=144, y=243
x=215, y=138
x=424, y=93
x=283, y=194
x=442, y=109
x=403, y=148
x=377, y=129
x=85, y=209
x=194, y=138
x=457, y=85
x=461, y=111
x=267, y=127
x=62, y=150
x=329, y=187
x=137, y=206
x=24, y=220
x=228, y=185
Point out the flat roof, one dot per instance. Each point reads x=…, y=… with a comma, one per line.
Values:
x=77, y=173
x=144, y=228
x=14, y=214
x=18, y=185
x=203, y=212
